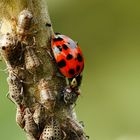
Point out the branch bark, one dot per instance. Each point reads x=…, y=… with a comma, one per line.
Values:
x=34, y=84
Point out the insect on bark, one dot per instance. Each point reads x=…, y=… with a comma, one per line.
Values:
x=40, y=116
x=15, y=89
x=45, y=96
x=23, y=24
x=52, y=131
x=30, y=126
x=75, y=127
x=31, y=59
x=11, y=50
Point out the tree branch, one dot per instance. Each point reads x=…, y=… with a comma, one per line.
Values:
x=34, y=84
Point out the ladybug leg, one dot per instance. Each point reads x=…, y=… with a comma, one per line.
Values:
x=52, y=58
x=58, y=74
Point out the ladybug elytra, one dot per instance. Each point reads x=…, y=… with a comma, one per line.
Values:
x=68, y=55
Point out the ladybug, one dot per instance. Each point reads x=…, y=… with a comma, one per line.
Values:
x=68, y=55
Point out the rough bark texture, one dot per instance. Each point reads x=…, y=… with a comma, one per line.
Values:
x=34, y=84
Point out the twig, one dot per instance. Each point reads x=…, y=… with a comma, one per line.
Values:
x=33, y=83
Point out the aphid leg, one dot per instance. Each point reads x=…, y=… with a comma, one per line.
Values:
x=8, y=96
x=52, y=58
x=20, y=117
x=87, y=137
x=14, y=24
x=30, y=126
x=82, y=123
x=5, y=70
x=64, y=134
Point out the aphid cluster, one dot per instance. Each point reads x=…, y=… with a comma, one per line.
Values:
x=20, y=57
x=40, y=118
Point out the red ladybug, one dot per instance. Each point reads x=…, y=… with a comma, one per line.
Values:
x=68, y=55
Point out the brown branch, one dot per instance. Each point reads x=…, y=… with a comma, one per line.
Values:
x=34, y=84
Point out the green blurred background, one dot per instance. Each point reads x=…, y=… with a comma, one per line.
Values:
x=109, y=34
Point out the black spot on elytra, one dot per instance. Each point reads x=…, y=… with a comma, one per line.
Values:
x=79, y=57
x=71, y=71
x=65, y=47
x=69, y=57
x=58, y=39
x=60, y=48
x=61, y=63
x=77, y=68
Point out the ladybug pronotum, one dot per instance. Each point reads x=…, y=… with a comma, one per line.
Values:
x=68, y=55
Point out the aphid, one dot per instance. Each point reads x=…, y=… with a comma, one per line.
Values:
x=21, y=26
x=20, y=117
x=31, y=60
x=24, y=22
x=68, y=55
x=11, y=50
x=30, y=126
x=15, y=89
x=52, y=131
x=44, y=95
x=74, y=127
x=40, y=116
